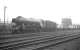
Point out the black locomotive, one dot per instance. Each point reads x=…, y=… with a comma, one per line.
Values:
x=33, y=25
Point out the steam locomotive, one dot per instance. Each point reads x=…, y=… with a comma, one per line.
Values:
x=32, y=25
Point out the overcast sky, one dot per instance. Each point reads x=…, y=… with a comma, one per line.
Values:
x=53, y=10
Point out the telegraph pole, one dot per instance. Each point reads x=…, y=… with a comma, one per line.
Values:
x=4, y=13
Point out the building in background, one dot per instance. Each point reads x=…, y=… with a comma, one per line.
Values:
x=75, y=26
x=66, y=22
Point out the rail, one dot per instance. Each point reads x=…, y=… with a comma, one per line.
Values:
x=39, y=40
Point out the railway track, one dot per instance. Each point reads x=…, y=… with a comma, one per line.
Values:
x=55, y=42
x=40, y=44
x=31, y=42
x=24, y=36
x=9, y=33
x=6, y=35
x=8, y=44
